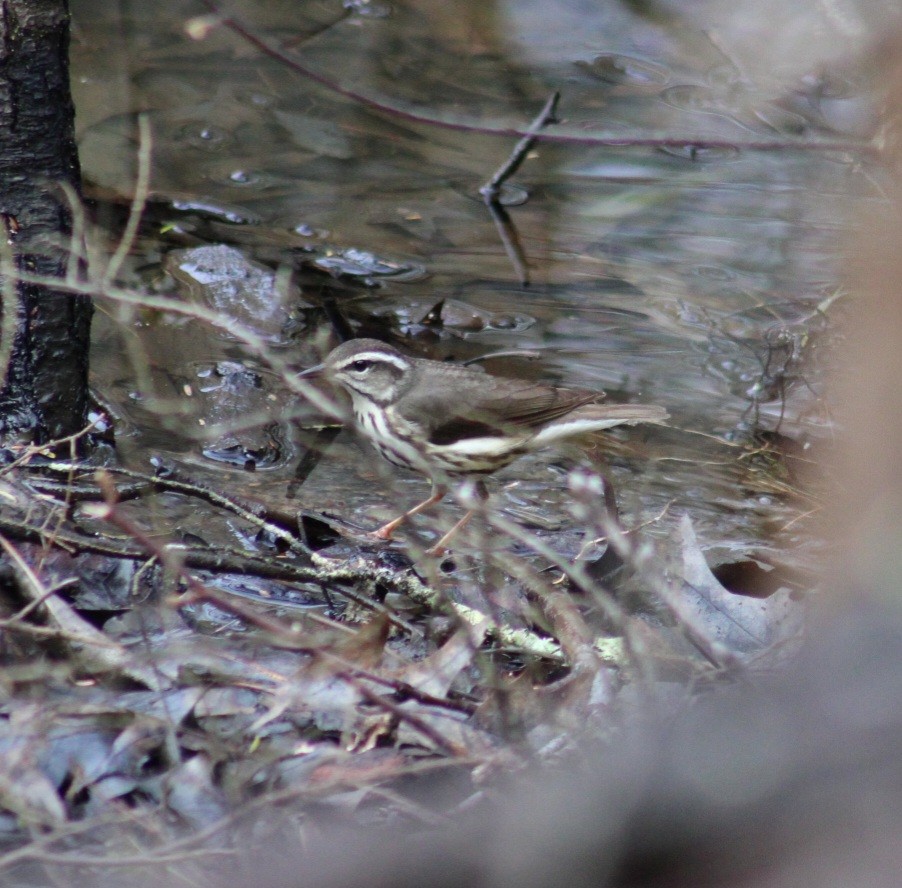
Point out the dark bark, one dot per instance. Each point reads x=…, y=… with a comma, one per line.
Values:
x=46, y=394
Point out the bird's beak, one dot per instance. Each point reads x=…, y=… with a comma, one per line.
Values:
x=314, y=372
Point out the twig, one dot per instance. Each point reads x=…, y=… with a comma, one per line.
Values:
x=492, y=188
x=253, y=513
x=33, y=450
x=9, y=297
x=518, y=639
x=152, y=858
x=139, y=201
x=491, y=191
x=76, y=254
x=36, y=601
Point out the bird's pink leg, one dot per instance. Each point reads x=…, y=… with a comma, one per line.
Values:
x=385, y=532
x=442, y=545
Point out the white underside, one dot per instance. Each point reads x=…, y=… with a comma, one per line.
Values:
x=480, y=446
x=494, y=444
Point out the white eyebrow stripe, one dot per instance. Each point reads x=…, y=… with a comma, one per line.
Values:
x=377, y=357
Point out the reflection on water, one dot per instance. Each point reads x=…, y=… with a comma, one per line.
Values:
x=666, y=276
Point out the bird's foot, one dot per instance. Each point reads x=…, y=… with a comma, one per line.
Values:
x=387, y=531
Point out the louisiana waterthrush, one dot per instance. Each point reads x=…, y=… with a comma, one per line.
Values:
x=447, y=420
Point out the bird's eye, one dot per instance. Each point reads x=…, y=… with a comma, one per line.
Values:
x=360, y=366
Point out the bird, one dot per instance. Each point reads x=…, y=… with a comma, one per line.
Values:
x=449, y=421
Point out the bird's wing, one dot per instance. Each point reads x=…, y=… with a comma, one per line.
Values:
x=483, y=406
x=528, y=405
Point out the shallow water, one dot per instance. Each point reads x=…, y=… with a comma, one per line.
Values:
x=686, y=275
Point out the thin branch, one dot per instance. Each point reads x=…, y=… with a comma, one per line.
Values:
x=139, y=201
x=76, y=253
x=9, y=298
x=492, y=188
x=152, y=858
x=33, y=450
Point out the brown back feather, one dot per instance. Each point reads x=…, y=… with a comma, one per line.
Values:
x=485, y=405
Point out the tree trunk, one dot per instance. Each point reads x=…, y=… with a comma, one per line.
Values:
x=45, y=394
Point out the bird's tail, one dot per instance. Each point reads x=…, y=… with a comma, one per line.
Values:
x=596, y=417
